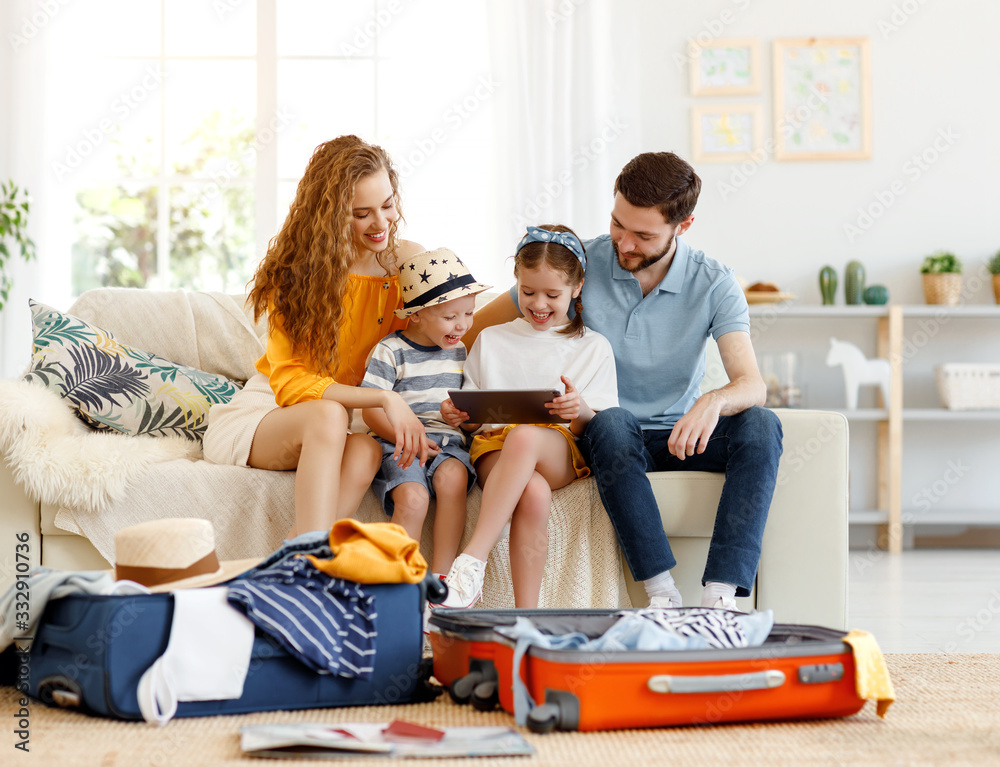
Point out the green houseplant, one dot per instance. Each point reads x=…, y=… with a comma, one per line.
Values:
x=14, y=208
x=941, y=273
x=993, y=265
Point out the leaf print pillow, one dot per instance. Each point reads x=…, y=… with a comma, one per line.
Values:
x=114, y=387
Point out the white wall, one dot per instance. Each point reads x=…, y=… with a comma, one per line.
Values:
x=930, y=73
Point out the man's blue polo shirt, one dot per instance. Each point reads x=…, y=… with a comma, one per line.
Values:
x=659, y=341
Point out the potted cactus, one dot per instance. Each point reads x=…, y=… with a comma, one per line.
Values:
x=942, y=278
x=994, y=267
x=13, y=230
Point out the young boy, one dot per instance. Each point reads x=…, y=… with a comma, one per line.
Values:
x=421, y=363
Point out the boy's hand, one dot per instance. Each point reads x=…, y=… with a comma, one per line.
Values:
x=452, y=415
x=568, y=405
x=433, y=448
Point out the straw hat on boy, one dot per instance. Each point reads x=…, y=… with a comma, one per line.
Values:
x=433, y=277
x=168, y=554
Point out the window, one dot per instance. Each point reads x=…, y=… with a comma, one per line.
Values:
x=177, y=130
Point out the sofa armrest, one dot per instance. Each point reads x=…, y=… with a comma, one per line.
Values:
x=19, y=514
x=803, y=565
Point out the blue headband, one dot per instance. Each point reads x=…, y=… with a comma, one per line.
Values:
x=567, y=240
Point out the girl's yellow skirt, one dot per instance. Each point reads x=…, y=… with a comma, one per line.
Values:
x=488, y=441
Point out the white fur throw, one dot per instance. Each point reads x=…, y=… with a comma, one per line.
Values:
x=60, y=461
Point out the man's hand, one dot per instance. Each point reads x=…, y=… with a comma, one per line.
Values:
x=691, y=433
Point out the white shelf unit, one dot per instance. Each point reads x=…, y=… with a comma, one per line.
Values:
x=898, y=348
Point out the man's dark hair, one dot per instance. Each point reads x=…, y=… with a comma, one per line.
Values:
x=660, y=180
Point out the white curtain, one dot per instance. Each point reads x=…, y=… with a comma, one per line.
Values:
x=22, y=55
x=567, y=113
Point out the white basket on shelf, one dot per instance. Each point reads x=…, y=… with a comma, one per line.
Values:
x=968, y=386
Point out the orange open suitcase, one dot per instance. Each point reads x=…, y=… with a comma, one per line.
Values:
x=800, y=672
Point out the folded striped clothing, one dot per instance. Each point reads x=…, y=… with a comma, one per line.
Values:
x=327, y=623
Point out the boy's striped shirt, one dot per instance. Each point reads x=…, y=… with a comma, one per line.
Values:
x=422, y=375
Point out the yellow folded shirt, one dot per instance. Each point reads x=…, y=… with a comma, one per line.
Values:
x=375, y=552
x=870, y=672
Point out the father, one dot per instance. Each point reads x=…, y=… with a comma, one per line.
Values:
x=657, y=300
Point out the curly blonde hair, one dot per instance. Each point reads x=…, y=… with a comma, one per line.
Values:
x=303, y=278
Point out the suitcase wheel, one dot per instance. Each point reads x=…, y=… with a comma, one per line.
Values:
x=485, y=696
x=544, y=718
x=437, y=590
x=60, y=691
x=461, y=689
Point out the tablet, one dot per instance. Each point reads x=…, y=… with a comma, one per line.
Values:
x=506, y=405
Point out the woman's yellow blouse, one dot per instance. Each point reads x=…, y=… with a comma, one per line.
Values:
x=368, y=318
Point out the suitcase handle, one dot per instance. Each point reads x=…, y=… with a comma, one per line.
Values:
x=758, y=680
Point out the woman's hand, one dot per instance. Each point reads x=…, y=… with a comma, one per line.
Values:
x=571, y=407
x=411, y=439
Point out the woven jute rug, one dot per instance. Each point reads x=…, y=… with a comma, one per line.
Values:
x=947, y=712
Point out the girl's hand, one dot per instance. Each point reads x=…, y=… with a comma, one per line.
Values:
x=568, y=405
x=572, y=407
x=411, y=439
x=452, y=415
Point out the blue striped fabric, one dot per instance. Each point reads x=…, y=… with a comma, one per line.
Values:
x=327, y=623
x=719, y=628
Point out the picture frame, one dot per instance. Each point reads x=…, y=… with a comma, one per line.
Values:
x=725, y=67
x=822, y=98
x=726, y=132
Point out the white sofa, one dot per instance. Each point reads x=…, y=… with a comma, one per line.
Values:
x=803, y=568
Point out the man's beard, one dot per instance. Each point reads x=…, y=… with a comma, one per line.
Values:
x=646, y=262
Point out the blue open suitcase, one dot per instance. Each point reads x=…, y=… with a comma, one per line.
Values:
x=90, y=651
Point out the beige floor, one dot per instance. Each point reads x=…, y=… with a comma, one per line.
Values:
x=927, y=601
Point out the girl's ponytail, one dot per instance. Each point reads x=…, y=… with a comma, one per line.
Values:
x=575, y=326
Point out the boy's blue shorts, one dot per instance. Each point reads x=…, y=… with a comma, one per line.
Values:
x=390, y=475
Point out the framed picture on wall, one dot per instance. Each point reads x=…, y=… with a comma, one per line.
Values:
x=726, y=132
x=729, y=67
x=822, y=99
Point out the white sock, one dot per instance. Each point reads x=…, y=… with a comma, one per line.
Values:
x=714, y=590
x=662, y=585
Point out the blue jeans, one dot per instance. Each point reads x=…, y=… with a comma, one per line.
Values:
x=746, y=447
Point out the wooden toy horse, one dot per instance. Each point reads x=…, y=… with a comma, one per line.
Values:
x=858, y=370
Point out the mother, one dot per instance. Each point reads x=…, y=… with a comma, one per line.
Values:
x=328, y=286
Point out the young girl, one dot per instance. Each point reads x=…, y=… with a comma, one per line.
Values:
x=519, y=466
x=329, y=287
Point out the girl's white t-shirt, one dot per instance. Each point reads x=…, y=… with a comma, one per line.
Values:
x=516, y=356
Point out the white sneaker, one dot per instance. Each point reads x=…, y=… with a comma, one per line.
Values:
x=723, y=603
x=664, y=602
x=465, y=581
